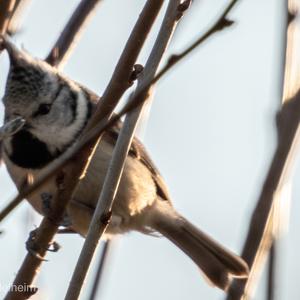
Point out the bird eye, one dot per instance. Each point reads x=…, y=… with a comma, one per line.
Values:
x=43, y=109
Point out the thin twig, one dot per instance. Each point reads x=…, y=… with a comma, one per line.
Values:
x=112, y=179
x=221, y=23
x=105, y=251
x=39, y=243
x=285, y=83
x=72, y=32
x=260, y=234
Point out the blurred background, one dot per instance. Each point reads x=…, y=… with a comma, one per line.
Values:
x=210, y=131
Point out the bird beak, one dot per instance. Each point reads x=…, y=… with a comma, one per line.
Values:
x=11, y=127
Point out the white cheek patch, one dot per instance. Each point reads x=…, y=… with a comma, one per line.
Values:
x=67, y=134
x=58, y=136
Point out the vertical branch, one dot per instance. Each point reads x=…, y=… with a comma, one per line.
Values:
x=112, y=179
x=121, y=79
x=260, y=235
x=38, y=244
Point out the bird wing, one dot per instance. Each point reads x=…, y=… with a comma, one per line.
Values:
x=137, y=150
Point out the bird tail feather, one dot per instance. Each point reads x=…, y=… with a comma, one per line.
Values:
x=218, y=264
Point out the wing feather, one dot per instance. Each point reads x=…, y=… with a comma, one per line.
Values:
x=137, y=151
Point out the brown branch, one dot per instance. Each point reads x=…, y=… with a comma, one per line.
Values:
x=221, y=23
x=132, y=49
x=108, y=192
x=99, y=129
x=6, y=10
x=43, y=236
x=39, y=242
x=106, y=248
x=271, y=283
x=72, y=32
x=260, y=235
x=6, y=13
x=115, y=169
x=15, y=21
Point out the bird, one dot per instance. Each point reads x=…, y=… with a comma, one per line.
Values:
x=56, y=110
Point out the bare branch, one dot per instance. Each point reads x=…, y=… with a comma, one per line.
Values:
x=72, y=32
x=107, y=245
x=40, y=242
x=69, y=181
x=94, y=133
x=271, y=284
x=6, y=10
x=49, y=225
x=112, y=179
x=260, y=234
x=15, y=21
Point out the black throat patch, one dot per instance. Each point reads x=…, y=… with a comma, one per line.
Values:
x=29, y=152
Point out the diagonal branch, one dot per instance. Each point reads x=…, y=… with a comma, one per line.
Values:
x=16, y=19
x=6, y=11
x=105, y=253
x=66, y=182
x=260, y=235
x=221, y=23
x=115, y=169
x=56, y=166
x=72, y=32
x=48, y=227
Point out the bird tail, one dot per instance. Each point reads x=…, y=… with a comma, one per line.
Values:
x=218, y=264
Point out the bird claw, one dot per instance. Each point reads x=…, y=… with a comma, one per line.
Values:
x=33, y=248
x=53, y=247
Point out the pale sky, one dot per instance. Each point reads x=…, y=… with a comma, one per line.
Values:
x=211, y=133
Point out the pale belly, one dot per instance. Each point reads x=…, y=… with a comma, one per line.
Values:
x=135, y=196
